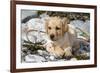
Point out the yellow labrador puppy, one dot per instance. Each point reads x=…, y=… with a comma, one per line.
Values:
x=62, y=34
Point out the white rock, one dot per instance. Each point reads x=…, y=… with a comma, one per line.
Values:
x=73, y=59
x=34, y=58
x=52, y=57
x=88, y=54
x=40, y=52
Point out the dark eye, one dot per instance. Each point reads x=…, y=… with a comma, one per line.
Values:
x=57, y=28
x=49, y=27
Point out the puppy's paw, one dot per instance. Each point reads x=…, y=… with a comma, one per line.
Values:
x=49, y=46
x=59, y=52
x=68, y=53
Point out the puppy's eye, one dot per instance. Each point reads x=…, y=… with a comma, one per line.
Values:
x=57, y=28
x=49, y=27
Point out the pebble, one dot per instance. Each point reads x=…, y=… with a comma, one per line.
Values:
x=52, y=57
x=73, y=59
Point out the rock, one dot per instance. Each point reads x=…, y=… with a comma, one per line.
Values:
x=73, y=59
x=41, y=52
x=27, y=15
x=52, y=58
x=87, y=54
x=46, y=55
x=84, y=26
x=23, y=31
x=34, y=58
x=36, y=30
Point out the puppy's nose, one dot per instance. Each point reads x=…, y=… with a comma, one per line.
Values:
x=52, y=36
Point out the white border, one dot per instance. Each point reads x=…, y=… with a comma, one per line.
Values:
x=20, y=65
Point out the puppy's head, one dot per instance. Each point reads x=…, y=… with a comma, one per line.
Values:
x=56, y=27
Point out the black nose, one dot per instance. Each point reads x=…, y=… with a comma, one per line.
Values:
x=52, y=36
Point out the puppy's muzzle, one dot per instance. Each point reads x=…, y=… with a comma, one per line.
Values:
x=52, y=36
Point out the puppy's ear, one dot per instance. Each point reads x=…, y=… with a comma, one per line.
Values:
x=65, y=24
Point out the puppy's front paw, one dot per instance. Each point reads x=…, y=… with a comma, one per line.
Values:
x=59, y=52
x=68, y=53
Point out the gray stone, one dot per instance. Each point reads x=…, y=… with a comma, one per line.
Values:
x=34, y=58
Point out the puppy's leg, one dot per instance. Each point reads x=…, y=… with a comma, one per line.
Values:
x=59, y=52
x=49, y=47
x=68, y=52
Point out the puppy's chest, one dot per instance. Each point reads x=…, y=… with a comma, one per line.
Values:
x=65, y=41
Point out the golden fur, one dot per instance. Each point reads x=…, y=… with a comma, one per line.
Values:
x=62, y=34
